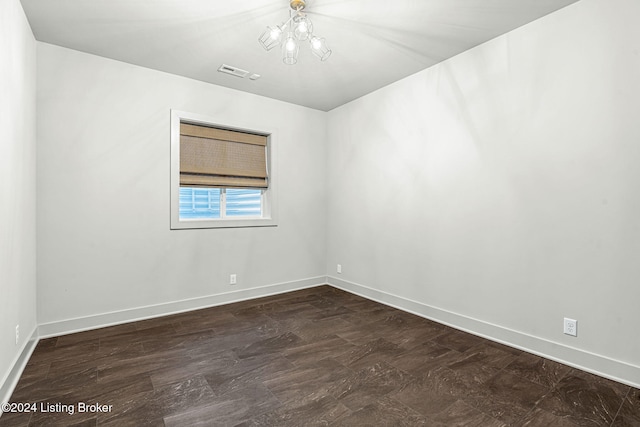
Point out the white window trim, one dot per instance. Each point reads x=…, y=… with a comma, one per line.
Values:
x=269, y=199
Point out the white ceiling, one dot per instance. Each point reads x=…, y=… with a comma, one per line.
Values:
x=374, y=42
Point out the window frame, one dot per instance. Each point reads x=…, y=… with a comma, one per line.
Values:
x=269, y=199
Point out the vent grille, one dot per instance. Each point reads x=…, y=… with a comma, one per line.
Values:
x=234, y=71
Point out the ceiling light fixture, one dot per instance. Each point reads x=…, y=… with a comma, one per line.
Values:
x=288, y=34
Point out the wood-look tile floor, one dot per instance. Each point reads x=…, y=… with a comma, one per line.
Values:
x=316, y=357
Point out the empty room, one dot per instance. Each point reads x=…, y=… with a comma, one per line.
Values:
x=319, y=213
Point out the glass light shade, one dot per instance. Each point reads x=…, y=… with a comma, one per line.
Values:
x=270, y=38
x=290, y=49
x=303, y=28
x=319, y=48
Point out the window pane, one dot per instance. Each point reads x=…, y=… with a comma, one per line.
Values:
x=244, y=202
x=196, y=203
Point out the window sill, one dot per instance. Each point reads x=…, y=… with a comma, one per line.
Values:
x=222, y=223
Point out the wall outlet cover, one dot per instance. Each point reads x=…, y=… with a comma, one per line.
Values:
x=571, y=327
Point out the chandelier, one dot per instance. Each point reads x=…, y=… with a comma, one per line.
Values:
x=289, y=34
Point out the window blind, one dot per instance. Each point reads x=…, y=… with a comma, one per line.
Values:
x=212, y=157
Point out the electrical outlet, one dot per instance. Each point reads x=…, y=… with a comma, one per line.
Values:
x=571, y=327
x=17, y=334
x=232, y=279
x=339, y=268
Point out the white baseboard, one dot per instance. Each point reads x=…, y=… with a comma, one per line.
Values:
x=69, y=326
x=590, y=362
x=594, y=363
x=9, y=383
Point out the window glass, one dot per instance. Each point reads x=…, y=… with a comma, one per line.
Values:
x=199, y=203
x=208, y=203
x=243, y=202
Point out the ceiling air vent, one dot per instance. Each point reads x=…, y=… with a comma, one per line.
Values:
x=234, y=71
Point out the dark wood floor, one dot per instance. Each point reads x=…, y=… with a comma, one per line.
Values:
x=308, y=358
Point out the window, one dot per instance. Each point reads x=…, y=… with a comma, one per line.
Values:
x=213, y=203
x=220, y=175
x=199, y=203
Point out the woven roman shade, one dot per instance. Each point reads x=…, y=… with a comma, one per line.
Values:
x=211, y=157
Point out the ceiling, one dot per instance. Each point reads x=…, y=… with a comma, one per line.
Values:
x=374, y=42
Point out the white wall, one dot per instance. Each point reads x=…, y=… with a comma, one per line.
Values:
x=104, y=243
x=500, y=190
x=17, y=185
